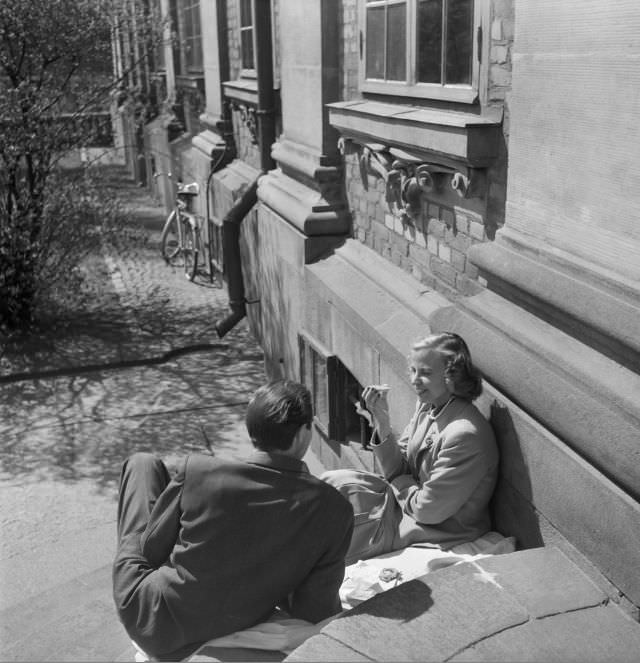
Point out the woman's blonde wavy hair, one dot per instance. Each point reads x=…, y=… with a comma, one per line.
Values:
x=465, y=378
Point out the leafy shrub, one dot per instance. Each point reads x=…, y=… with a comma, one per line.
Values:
x=55, y=75
x=39, y=259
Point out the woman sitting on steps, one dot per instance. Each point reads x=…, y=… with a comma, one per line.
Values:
x=439, y=475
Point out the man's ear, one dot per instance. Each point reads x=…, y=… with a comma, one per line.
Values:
x=302, y=440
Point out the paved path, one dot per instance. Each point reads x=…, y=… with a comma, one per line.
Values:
x=138, y=367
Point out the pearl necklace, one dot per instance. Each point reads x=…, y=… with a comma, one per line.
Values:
x=433, y=416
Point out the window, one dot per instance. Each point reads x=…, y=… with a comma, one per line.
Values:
x=246, y=35
x=191, y=35
x=317, y=370
x=334, y=391
x=421, y=48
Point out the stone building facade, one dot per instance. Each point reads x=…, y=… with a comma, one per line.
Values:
x=500, y=206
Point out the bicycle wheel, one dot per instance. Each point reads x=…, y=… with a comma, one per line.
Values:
x=170, y=239
x=189, y=248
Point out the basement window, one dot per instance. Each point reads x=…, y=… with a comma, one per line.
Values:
x=334, y=391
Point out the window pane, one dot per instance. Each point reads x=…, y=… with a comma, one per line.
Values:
x=188, y=22
x=247, y=49
x=245, y=13
x=196, y=54
x=320, y=388
x=429, y=41
x=396, y=42
x=375, y=42
x=459, y=41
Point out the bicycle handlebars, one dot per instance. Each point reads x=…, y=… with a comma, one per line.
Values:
x=191, y=189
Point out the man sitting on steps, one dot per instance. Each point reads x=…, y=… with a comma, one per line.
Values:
x=219, y=546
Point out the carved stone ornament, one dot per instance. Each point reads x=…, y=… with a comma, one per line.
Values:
x=249, y=119
x=407, y=177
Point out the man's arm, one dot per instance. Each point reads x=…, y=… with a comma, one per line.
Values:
x=317, y=597
x=161, y=533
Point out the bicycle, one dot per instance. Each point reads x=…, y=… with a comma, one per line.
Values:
x=182, y=236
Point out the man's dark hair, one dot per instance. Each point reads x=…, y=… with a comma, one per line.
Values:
x=276, y=412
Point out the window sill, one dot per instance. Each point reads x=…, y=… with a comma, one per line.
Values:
x=190, y=81
x=457, y=136
x=243, y=90
x=465, y=94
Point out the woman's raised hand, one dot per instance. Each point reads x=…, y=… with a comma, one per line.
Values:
x=375, y=400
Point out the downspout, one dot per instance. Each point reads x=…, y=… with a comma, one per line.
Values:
x=232, y=222
x=232, y=260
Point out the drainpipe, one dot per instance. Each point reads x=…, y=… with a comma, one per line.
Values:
x=231, y=252
x=265, y=115
x=266, y=112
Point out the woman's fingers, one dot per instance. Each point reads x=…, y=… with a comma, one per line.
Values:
x=364, y=413
x=375, y=398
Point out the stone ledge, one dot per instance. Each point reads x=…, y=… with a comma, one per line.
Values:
x=462, y=137
x=529, y=605
x=294, y=158
x=209, y=143
x=548, y=495
x=300, y=205
x=593, y=307
x=244, y=90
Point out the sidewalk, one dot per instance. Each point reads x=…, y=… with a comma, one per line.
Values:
x=139, y=368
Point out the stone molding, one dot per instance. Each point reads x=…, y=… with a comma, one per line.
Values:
x=306, y=190
x=302, y=206
x=304, y=164
x=407, y=177
x=209, y=143
x=244, y=90
x=447, y=137
x=593, y=307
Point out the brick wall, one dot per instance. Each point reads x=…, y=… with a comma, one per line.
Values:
x=498, y=94
x=434, y=248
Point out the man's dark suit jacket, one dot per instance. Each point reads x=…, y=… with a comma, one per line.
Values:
x=228, y=542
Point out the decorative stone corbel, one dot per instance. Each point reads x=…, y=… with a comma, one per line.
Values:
x=406, y=178
x=249, y=119
x=469, y=184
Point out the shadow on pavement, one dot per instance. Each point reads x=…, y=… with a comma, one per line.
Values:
x=130, y=363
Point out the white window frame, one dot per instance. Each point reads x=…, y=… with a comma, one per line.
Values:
x=411, y=88
x=188, y=40
x=246, y=72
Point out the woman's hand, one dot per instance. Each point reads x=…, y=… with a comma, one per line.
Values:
x=375, y=400
x=363, y=412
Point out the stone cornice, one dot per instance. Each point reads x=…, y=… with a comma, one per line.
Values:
x=296, y=159
x=454, y=138
x=302, y=206
x=601, y=312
